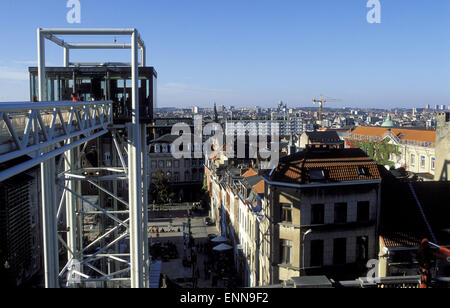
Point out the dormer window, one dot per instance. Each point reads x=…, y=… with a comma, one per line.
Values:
x=316, y=175
x=363, y=171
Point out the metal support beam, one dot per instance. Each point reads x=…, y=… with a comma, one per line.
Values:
x=135, y=174
x=71, y=126
x=71, y=203
x=66, y=56
x=41, y=66
x=50, y=235
x=145, y=164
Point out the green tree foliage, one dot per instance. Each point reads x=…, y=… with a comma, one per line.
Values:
x=379, y=151
x=161, y=190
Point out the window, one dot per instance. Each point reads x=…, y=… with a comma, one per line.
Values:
x=286, y=213
x=286, y=251
x=154, y=164
x=340, y=213
x=363, y=211
x=340, y=251
x=433, y=163
x=317, y=214
x=413, y=160
x=187, y=163
x=161, y=164
x=157, y=148
x=165, y=148
x=422, y=161
x=317, y=253
x=169, y=164
x=362, y=249
x=363, y=171
x=316, y=175
x=176, y=177
x=176, y=164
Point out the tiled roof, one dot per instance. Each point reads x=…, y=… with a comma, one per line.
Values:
x=404, y=134
x=259, y=188
x=334, y=165
x=250, y=173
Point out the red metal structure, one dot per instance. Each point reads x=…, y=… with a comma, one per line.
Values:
x=429, y=251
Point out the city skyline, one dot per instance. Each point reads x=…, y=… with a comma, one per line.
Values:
x=248, y=54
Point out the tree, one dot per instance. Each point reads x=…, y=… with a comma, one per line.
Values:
x=161, y=190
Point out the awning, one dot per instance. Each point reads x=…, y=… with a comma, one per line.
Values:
x=222, y=247
x=219, y=239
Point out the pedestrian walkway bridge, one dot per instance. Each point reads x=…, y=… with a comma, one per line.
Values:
x=45, y=130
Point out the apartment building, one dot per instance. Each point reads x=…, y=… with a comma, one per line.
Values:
x=442, y=147
x=412, y=149
x=323, y=206
x=185, y=175
x=316, y=213
x=330, y=138
x=20, y=228
x=286, y=127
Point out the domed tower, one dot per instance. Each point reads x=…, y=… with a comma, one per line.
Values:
x=388, y=122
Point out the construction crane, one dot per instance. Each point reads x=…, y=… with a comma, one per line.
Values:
x=427, y=252
x=321, y=101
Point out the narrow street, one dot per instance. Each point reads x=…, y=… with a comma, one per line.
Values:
x=174, y=232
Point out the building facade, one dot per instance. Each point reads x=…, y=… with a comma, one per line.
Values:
x=442, y=171
x=316, y=213
x=324, y=212
x=185, y=175
x=412, y=149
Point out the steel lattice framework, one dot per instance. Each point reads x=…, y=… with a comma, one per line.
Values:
x=41, y=130
x=47, y=130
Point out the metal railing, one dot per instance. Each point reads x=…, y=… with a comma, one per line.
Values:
x=44, y=130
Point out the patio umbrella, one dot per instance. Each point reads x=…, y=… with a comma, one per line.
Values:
x=219, y=239
x=222, y=247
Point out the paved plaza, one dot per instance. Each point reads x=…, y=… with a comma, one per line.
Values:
x=173, y=230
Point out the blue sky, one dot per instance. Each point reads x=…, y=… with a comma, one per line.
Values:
x=255, y=52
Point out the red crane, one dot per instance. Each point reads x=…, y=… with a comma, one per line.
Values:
x=427, y=252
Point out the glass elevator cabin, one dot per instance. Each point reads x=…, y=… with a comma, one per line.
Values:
x=99, y=83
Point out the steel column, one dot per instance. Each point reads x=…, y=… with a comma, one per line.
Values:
x=66, y=56
x=135, y=175
x=71, y=205
x=145, y=164
x=50, y=232
x=41, y=67
x=49, y=220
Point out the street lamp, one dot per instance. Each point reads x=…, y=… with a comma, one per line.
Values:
x=303, y=244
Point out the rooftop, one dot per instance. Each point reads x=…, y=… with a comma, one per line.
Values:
x=326, y=166
x=401, y=222
x=323, y=137
x=405, y=135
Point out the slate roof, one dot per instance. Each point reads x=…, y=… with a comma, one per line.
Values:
x=323, y=137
